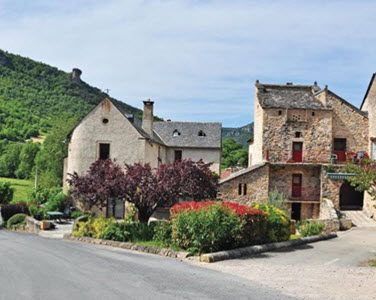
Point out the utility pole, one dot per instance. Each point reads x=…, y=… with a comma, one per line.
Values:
x=36, y=179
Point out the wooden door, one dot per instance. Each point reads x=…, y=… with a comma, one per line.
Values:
x=296, y=191
x=297, y=151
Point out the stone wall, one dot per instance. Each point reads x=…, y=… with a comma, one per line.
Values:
x=282, y=126
x=257, y=181
x=330, y=188
x=257, y=149
x=348, y=123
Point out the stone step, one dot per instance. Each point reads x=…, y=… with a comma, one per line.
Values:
x=360, y=218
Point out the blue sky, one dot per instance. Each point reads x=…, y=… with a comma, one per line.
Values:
x=198, y=60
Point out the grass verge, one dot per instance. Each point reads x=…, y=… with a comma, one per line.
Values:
x=22, y=188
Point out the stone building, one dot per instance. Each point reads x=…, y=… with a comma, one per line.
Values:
x=109, y=132
x=303, y=137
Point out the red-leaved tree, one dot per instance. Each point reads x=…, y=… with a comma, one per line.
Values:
x=105, y=181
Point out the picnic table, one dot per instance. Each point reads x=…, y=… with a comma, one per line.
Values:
x=55, y=215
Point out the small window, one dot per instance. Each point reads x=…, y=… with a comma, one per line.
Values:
x=339, y=144
x=201, y=133
x=104, y=120
x=239, y=189
x=176, y=133
x=178, y=155
x=245, y=189
x=313, y=114
x=279, y=112
x=298, y=134
x=104, y=151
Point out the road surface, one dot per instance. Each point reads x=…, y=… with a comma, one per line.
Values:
x=33, y=267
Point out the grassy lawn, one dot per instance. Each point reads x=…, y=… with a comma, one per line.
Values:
x=22, y=188
x=157, y=244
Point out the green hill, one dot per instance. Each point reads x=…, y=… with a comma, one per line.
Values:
x=33, y=95
x=240, y=135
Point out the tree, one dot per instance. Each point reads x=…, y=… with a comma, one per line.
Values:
x=365, y=176
x=27, y=160
x=6, y=192
x=105, y=181
x=233, y=154
x=183, y=179
x=10, y=160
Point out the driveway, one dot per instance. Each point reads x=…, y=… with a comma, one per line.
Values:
x=32, y=267
x=333, y=269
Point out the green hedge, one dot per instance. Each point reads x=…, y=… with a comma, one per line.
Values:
x=16, y=221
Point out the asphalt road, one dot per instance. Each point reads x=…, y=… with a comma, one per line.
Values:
x=32, y=267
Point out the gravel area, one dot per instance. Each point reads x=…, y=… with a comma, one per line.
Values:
x=334, y=269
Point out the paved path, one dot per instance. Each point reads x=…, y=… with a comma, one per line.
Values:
x=32, y=267
x=333, y=269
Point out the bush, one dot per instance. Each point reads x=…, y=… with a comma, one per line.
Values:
x=99, y=225
x=214, y=226
x=9, y=210
x=57, y=202
x=279, y=223
x=42, y=195
x=36, y=212
x=309, y=228
x=163, y=233
x=277, y=199
x=6, y=192
x=16, y=221
x=77, y=213
x=116, y=232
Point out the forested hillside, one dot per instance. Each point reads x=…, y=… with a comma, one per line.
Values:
x=33, y=95
x=240, y=135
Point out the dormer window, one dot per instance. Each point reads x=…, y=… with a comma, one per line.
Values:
x=201, y=133
x=176, y=133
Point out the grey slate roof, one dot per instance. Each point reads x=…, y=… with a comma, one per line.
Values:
x=288, y=96
x=189, y=137
x=242, y=172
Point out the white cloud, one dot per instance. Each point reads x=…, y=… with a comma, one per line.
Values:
x=198, y=59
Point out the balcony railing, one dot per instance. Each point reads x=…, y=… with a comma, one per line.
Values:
x=297, y=193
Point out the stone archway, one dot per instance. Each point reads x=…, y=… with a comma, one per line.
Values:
x=349, y=198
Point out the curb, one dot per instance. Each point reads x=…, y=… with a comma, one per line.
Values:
x=253, y=250
x=131, y=246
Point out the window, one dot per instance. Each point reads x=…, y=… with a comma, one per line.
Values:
x=298, y=134
x=339, y=148
x=279, y=112
x=201, y=133
x=313, y=114
x=176, y=133
x=178, y=155
x=104, y=151
x=104, y=120
x=244, y=189
x=239, y=189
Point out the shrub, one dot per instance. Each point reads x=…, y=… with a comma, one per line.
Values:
x=309, y=228
x=57, y=202
x=36, y=212
x=9, y=210
x=279, y=223
x=99, y=225
x=77, y=213
x=16, y=221
x=163, y=233
x=6, y=192
x=277, y=199
x=116, y=232
x=42, y=195
x=82, y=229
x=207, y=226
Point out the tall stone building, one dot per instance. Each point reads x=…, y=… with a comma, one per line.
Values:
x=303, y=137
x=109, y=132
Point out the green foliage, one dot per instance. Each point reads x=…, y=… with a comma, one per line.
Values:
x=22, y=188
x=279, y=223
x=77, y=213
x=163, y=233
x=10, y=160
x=310, y=227
x=233, y=154
x=240, y=135
x=36, y=212
x=6, y=192
x=277, y=199
x=27, y=160
x=365, y=179
x=42, y=195
x=206, y=230
x=16, y=221
x=56, y=203
x=9, y=210
x=116, y=232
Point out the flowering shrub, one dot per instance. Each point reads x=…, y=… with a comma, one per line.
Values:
x=213, y=226
x=279, y=223
x=163, y=232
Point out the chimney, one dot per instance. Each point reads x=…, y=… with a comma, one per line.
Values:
x=76, y=75
x=147, y=117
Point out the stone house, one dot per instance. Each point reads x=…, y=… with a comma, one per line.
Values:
x=303, y=137
x=109, y=132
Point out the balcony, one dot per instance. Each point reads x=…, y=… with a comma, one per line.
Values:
x=300, y=193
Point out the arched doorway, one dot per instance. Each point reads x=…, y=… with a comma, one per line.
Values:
x=349, y=198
